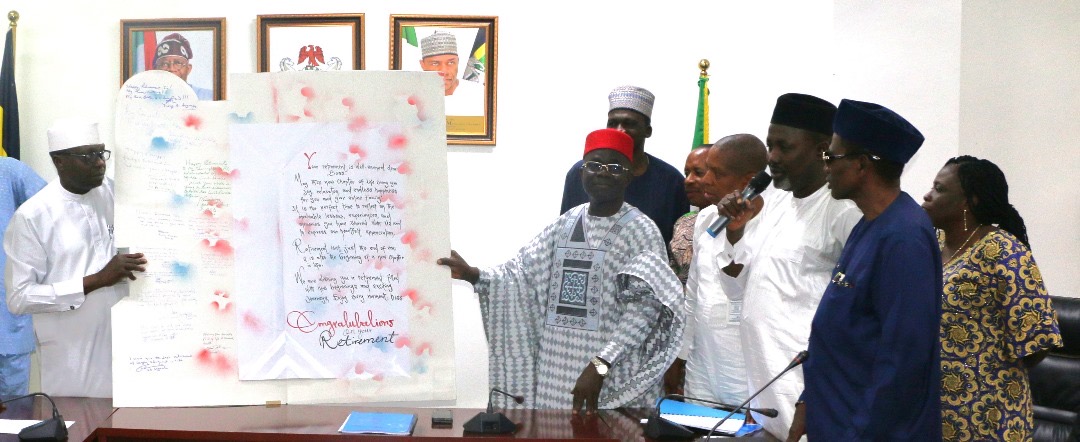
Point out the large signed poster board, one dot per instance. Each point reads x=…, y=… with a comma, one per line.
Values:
x=304, y=220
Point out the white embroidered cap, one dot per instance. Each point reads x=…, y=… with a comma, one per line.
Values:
x=439, y=43
x=68, y=133
x=633, y=98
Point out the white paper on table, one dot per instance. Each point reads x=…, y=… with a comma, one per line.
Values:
x=731, y=426
x=14, y=426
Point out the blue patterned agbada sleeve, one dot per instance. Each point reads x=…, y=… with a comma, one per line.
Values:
x=1031, y=323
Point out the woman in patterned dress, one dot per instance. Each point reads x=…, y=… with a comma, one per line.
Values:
x=996, y=318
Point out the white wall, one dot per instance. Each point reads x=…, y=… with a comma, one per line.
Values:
x=557, y=61
x=1019, y=94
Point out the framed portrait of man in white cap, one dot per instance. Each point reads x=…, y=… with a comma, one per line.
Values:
x=193, y=49
x=310, y=42
x=463, y=51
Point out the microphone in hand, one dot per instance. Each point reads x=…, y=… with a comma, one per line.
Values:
x=757, y=185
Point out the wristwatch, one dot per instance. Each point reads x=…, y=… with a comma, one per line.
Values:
x=601, y=366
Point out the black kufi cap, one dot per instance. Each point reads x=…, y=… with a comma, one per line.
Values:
x=805, y=112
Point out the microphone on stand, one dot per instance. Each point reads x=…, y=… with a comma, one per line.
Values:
x=799, y=359
x=48, y=430
x=757, y=185
x=660, y=428
x=491, y=422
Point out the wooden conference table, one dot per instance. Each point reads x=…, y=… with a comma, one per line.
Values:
x=97, y=420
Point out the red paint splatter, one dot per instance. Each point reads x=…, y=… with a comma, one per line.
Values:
x=402, y=342
x=355, y=149
x=215, y=203
x=307, y=112
x=220, y=247
x=292, y=118
x=409, y=238
x=208, y=213
x=221, y=173
x=418, y=303
x=224, y=365
x=302, y=221
x=348, y=102
x=308, y=92
x=393, y=198
x=216, y=362
x=193, y=122
x=422, y=348
x=221, y=293
x=379, y=264
x=378, y=377
x=404, y=168
x=357, y=124
x=252, y=322
x=398, y=142
x=358, y=368
x=277, y=102
x=421, y=113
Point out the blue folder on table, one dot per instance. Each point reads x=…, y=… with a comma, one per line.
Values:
x=688, y=414
x=360, y=422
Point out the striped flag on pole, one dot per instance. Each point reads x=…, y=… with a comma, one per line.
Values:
x=701, y=126
x=9, y=103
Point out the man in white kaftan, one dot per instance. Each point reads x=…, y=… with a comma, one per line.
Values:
x=802, y=230
x=592, y=290
x=712, y=348
x=62, y=265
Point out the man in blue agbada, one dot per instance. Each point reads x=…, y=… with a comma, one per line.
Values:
x=873, y=371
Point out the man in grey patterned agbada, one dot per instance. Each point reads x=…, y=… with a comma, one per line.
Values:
x=588, y=314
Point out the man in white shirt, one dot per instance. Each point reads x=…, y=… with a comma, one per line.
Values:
x=715, y=369
x=63, y=267
x=802, y=231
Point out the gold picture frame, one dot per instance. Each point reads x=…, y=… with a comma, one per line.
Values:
x=203, y=40
x=319, y=42
x=471, y=89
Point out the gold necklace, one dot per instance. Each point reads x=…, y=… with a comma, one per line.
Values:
x=964, y=244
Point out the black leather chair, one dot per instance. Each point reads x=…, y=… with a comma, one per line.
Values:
x=1055, y=382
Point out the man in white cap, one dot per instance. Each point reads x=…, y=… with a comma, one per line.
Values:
x=174, y=54
x=63, y=267
x=439, y=53
x=657, y=189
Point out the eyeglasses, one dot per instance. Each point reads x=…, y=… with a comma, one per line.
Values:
x=166, y=64
x=614, y=169
x=830, y=157
x=88, y=157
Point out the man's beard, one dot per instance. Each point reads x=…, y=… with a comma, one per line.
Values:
x=782, y=183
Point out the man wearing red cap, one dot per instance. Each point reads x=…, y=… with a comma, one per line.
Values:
x=657, y=187
x=599, y=278
x=173, y=54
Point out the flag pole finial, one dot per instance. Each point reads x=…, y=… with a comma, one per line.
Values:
x=13, y=18
x=704, y=65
